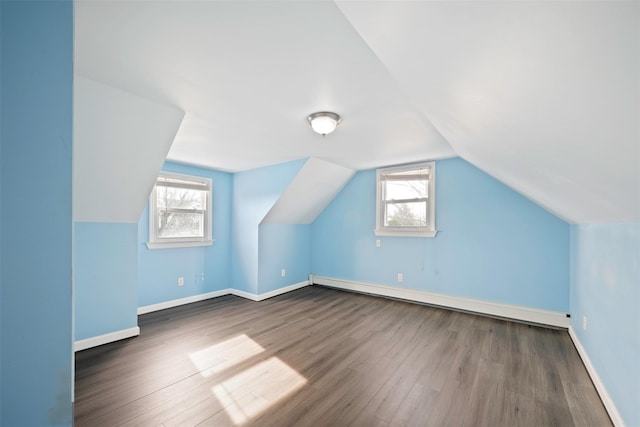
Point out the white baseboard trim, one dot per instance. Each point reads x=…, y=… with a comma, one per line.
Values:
x=229, y=291
x=244, y=294
x=270, y=294
x=106, y=338
x=515, y=312
x=132, y=332
x=595, y=378
x=182, y=301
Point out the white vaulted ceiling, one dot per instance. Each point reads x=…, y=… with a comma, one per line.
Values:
x=544, y=96
x=247, y=74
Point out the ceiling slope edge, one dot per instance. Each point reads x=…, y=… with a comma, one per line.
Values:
x=120, y=142
x=313, y=188
x=580, y=208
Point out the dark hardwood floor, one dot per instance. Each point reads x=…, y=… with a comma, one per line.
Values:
x=323, y=357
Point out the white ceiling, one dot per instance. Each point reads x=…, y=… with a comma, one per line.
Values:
x=544, y=96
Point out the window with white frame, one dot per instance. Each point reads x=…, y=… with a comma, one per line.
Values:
x=405, y=202
x=180, y=211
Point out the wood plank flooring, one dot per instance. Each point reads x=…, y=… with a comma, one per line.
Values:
x=323, y=357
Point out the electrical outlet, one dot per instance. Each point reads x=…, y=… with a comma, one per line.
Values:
x=400, y=277
x=378, y=243
x=283, y=272
x=180, y=281
x=584, y=322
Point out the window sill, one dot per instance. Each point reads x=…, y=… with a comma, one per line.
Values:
x=394, y=233
x=167, y=245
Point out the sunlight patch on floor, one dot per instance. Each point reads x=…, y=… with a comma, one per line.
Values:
x=255, y=389
x=217, y=358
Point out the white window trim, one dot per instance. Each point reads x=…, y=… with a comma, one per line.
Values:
x=167, y=245
x=154, y=243
x=429, y=231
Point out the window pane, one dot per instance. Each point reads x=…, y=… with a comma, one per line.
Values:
x=180, y=224
x=402, y=190
x=405, y=200
x=180, y=198
x=413, y=214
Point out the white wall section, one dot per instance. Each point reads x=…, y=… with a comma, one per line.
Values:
x=120, y=144
x=312, y=189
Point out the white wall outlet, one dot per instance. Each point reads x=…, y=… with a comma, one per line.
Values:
x=584, y=322
x=400, y=277
x=283, y=272
x=378, y=243
x=180, y=281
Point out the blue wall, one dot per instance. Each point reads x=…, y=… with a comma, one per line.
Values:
x=493, y=244
x=254, y=194
x=105, y=267
x=1, y=244
x=36, y=247
x=245, y=255
x=204, y=269
x=605, y=287
x=283, y=246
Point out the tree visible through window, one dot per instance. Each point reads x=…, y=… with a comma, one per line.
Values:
x=180, y=211
x=405, y=202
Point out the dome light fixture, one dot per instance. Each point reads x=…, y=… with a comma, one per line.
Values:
x=324, y=122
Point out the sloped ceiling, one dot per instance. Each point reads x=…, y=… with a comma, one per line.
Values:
x=544, y=96
x=120, y=142
x=312, y=189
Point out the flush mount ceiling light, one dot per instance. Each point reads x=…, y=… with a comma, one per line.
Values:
x=324, y=122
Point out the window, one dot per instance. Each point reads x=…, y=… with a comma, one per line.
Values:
x=180, y=212
x=405, y=204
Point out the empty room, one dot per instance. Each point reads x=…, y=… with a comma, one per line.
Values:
x=319, y=213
